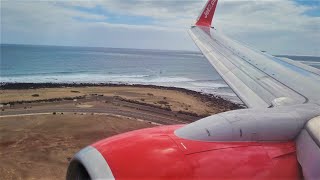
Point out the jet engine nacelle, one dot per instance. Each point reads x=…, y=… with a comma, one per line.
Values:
x=252, y=137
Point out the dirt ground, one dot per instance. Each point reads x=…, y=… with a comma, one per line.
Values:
x=40, y=146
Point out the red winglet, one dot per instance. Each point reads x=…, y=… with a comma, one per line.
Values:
x=206, y=16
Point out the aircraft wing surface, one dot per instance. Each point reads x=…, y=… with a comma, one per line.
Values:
x=259, y=79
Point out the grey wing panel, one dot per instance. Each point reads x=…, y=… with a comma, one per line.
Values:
x=260, y=80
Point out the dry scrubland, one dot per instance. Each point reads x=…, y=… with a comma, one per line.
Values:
x=40, y=147
x=175, y=99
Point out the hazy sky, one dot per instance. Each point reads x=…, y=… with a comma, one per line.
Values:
x=277, y=26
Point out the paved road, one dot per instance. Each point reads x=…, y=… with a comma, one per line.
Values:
x=139, y=115
x=115, y=107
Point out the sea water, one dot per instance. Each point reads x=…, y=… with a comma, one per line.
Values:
x=185, y=69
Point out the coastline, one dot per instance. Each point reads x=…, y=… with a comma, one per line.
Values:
x=206, y=98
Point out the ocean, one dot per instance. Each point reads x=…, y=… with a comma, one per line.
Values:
x=185, y=69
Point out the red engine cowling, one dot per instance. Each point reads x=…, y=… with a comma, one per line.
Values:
x=157, y=153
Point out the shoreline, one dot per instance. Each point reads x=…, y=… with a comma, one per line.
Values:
x=202, y=96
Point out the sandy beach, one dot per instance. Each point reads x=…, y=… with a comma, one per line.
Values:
x=43, y=125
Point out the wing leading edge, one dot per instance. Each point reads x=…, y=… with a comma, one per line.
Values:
x=260, y=80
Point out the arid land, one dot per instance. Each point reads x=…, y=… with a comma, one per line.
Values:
x=43, y=125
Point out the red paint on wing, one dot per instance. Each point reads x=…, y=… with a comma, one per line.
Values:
x=157, y=153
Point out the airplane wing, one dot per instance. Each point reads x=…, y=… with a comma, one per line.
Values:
x=259, y=79
x=265, y=143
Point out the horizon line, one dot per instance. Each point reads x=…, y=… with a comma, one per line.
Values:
x=278, y=55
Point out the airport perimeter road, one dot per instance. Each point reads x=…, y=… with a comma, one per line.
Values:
x=138, y=115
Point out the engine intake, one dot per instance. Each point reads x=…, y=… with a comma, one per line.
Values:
x=89, y=164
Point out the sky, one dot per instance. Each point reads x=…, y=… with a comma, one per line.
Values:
x=290, y=27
